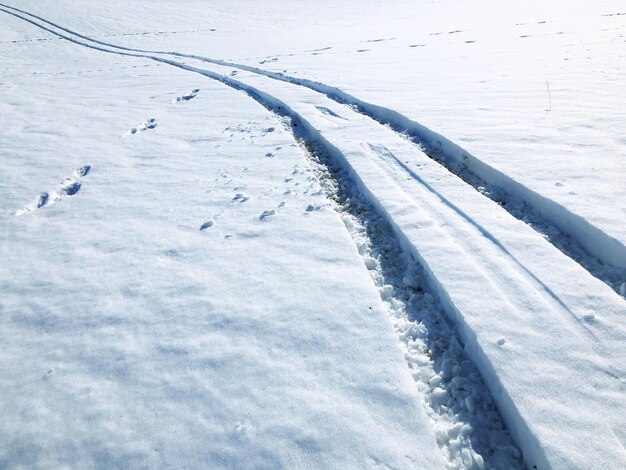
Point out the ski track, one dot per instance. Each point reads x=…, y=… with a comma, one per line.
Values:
x=502, y=271
x=600, y=254
x=307, y=132
x=145, y=33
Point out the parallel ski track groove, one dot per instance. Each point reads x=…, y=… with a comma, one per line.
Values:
x=493, y=239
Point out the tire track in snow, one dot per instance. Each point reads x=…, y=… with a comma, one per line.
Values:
x=468, y=427
x=601, y=255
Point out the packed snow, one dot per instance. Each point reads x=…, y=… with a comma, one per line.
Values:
x=312, y=235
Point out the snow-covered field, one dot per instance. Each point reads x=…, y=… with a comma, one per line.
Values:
x=312, y=234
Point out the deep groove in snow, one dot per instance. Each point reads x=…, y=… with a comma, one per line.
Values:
x=566, y=236
x=467, y=425
x=613, y=276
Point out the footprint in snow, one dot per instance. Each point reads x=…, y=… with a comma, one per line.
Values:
x=206, y=225
x=243, y=430
x=267, y=214
x=240, y=198
x=192, y=94
x=314, y=207
x=38, y=202
x=82, y=171
x=68, y=187
x=149, y=124
x=271, y=212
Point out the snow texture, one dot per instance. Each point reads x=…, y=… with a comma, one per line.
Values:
x=396, y=250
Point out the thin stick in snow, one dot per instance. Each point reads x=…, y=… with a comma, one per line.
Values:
x=549, y=96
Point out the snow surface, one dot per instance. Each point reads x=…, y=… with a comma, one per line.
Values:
x=185, y=273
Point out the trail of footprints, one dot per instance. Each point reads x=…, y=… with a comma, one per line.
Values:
x=72, y=184
x=68, y=187
x=144, y=126
x=152, y=122
x=252, y=130
x=238, y=198
x=297, y=182
x=144, y=33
